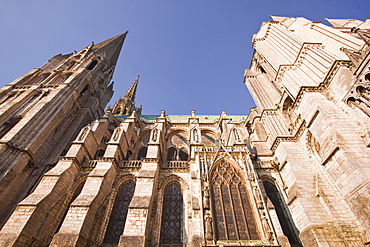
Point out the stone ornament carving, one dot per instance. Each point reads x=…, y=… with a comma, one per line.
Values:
x=116, y=134
x=361, y=98
x=236, y=135
x=83, y=133
x=155, y=135
x=266, y=227
x=206, y=204
x=208, y=226
x=195, y=135
x=257, y=197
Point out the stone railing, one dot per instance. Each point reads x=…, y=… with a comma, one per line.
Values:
x=215, y=148
x=175, y=164
x=89, y=163
x=129, y=163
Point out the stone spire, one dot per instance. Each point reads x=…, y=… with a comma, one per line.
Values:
x=126, y=104
x=111, y=48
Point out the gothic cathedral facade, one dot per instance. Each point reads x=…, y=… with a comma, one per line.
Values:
x=294, y=172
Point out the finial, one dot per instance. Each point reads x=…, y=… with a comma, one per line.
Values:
x=192, y=113
x=163, y=113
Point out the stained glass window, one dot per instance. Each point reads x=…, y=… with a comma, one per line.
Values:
x=142, y=153
x=117, y=219
x=232, y=212
x=172, y=215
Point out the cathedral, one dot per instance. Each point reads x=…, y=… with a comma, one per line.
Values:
x=294, y=172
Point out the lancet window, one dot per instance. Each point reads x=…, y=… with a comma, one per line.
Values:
x=118, y=216
x=142, y=153
x=172, y=215
x=232, y=212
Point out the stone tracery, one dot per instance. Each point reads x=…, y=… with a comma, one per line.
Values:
x=233, y=215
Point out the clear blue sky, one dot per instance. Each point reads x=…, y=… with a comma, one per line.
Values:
x=190, y=54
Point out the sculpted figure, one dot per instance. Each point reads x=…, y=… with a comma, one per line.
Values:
x=266, y=227
x=236, y=134
x=83, y=134
x=155, y=134
x=206, y=196
x=208, y=224
x=258, y=197
x=195, y=133
x=116, y=134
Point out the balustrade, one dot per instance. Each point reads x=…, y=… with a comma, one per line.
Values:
x=175, y=164
x=129, y=163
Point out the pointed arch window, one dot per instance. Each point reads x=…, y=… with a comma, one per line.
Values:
x=175, y=154
x=142, y=152
x=172, y=215
x=232, y=212
x=92, y=65
x=128, y=155
x=183, y=154
x=118, y=216
x=171, y=154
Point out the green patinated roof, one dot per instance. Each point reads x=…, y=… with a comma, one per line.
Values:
x=184, y=118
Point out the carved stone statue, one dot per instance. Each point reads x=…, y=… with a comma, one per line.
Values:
x=257, y=197
x=195, y=133
x=208, y=225
x=206, y=196
x=155, y=135
x=236, y=134
x=83, y=134
x=266, y=227
x=116, y=134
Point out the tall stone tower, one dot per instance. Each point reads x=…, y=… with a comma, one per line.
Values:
x=42, y=112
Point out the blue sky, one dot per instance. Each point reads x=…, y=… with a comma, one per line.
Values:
x=191, y=54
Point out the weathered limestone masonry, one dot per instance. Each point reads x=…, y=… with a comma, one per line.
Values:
x=42, y=112
x=321, y=152
x=294, y=172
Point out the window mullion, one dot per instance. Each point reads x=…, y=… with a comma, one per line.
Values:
x=233, y=212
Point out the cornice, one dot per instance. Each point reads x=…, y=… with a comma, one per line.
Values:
x=292, y=138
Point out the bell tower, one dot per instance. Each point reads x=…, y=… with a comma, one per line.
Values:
x=42, y=111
